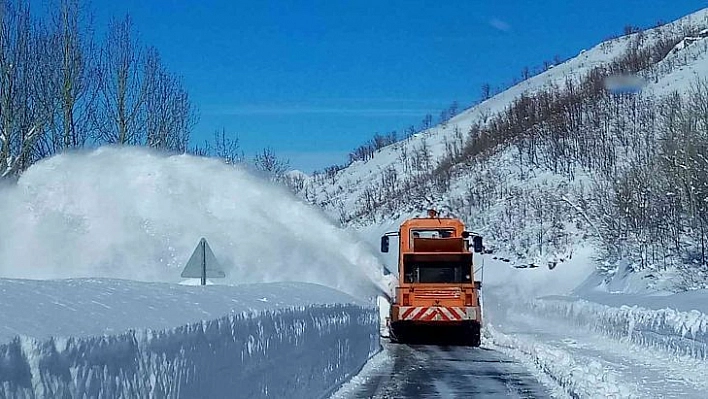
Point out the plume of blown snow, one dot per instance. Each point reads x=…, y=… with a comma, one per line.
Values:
x=134, y=214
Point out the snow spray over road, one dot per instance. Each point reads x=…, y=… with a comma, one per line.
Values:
x=130, y=213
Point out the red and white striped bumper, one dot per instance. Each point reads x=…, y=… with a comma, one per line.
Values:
x=436, y=313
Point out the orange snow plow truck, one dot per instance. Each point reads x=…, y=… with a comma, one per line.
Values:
x=437, y=298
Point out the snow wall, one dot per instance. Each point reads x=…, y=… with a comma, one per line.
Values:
x=300, y=352
x=684, y=333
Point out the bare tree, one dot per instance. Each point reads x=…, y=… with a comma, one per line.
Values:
x=526, y=73
x=122, y=93
x=268, y=162
x=222, y=146
x=486, y=91
x=444, y=117
x=630, y=29
x=22, y=118
x=58, y=92
x=75, y=74
x=43, y=88
x=296, y=182
x=227, y=148
x=427, y=122
x=169, y=114
x=421, y=157
x=454, y=109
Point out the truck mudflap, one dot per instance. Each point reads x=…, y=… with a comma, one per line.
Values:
x=437, y=313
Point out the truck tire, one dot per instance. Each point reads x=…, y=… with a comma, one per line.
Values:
x=474, y=338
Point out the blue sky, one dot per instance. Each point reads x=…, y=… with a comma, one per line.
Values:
x=314, y=79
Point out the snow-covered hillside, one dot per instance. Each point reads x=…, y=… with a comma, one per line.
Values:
x=345, y=192
x=521, y=193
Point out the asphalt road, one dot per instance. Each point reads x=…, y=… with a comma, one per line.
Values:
x=448, y=372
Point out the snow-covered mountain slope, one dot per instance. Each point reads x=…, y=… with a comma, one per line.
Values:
x=345, y=191
x=119, y=338
x=530, y=210
x=132, y=214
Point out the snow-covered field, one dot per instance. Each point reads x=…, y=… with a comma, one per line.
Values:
x=92, y=246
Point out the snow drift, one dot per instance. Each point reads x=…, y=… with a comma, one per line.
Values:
x=130, y=213
x=576, y=376
x=279, y=340
x=681, y=333
x=592, y=343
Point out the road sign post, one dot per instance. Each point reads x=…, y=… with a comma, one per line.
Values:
x=203, y=264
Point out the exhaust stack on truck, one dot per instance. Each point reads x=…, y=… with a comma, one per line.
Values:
x=437, y=298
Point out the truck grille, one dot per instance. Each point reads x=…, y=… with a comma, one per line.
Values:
x=440, y=293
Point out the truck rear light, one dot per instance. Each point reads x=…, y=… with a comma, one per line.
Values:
x=406, y=299
x=468, y=299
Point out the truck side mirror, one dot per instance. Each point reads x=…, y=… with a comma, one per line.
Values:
x=384, y=244
x=477, y=244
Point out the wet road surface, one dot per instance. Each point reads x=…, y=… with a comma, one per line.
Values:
x=448, y=372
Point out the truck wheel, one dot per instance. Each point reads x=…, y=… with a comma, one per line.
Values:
x=394, y=339
x=474, y=338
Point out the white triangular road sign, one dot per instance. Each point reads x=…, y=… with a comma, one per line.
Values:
x=203, y=263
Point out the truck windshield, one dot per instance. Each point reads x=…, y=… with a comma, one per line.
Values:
x=437, y=272
x=432, y=233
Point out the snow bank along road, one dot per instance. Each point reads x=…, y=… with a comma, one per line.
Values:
x=593, y=350
x=405, y=371
x=590, y=344
x=615, y=346
x=105, y=338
